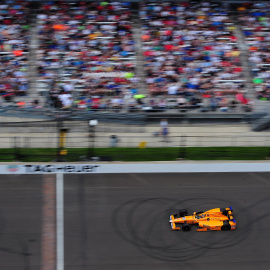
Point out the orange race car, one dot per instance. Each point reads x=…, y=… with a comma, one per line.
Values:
x=218, y=219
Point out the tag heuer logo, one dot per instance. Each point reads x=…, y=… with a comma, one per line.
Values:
x=12, y=168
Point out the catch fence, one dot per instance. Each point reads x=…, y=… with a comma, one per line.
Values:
x=100, y=146
x=130, y=141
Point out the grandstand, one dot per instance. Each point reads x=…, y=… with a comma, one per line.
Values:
x=190, y=55
x=14, y=48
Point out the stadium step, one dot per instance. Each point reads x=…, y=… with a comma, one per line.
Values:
x=241, y=44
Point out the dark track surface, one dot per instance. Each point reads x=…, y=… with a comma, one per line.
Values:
x=20, y=222
x=121, y=221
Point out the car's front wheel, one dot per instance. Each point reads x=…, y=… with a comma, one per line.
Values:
x=186, y=227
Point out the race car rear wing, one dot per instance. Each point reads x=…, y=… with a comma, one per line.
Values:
x=174, y=228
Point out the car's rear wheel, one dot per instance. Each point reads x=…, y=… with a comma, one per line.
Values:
x=186, y=227
x=226, y=226
x=183, y=212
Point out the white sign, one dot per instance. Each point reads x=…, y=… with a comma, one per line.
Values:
x=134, y=168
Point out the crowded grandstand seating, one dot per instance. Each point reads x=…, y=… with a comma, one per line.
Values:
x=86, y=48
x=86, y=57
x=255, y=22
x=191, y=50
x=14, y=42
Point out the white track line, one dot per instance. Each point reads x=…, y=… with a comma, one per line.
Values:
x=60, y=221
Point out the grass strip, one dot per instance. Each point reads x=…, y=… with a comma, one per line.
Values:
x=137, y=154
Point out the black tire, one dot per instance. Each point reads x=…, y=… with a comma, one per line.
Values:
x=224, y=212
x=226, y=226
x=186, y=227
x=183, y=212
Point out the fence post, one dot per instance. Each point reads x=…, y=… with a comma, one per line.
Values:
x=16, y=148
x=59, y=127
x=182, y=148
x=92, y=134
x=268, y=154
x=62, y=134
x=26, y=142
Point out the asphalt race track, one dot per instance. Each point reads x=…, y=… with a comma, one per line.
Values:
x=20, y=222
x=121, y=221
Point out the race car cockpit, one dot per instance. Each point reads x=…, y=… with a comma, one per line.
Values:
x=199, y=216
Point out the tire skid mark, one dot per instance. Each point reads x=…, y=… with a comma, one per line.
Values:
x=142, y=230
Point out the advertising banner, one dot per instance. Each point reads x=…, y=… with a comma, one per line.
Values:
x=133, y=168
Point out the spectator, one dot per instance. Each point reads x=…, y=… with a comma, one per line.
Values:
x=89, y=42
x=255, y=22
x=114, y=140
x=164, y=129
x=189, y=49
x=14, y=25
